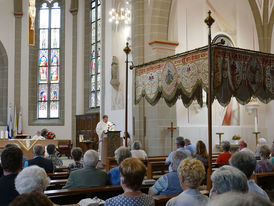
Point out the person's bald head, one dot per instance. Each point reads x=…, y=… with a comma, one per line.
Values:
x=242, y=144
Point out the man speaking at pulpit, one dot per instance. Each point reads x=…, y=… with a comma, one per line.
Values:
x=101, y=129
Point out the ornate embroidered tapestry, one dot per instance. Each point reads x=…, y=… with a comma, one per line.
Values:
x=236, y=72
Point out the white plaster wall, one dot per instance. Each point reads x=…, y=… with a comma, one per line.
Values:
x=62, y=132
x=115, y=42
x=7, y=37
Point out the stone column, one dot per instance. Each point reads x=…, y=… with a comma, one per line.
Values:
x=161, y=49
x=74, y=12
x=18, y=13
x=138, y=58
x=160, y=116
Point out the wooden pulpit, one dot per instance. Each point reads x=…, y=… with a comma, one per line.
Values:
x=111, y=141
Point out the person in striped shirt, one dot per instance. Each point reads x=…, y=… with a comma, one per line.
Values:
x=169, y=183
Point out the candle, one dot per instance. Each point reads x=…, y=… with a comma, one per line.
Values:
x=6, y=135
x=256, y=124
x=2, y=134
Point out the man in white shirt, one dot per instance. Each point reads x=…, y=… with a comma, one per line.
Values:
x=38, y=135
x=243, y=147
x=246, y=162
x=101, y=129
x=180, y=143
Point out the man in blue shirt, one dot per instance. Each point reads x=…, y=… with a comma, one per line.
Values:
x=190, y=146
x=180, y=144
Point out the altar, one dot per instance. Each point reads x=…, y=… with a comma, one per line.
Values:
x=27, y=144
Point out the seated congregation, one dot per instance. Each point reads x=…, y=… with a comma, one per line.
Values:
x=29, y=182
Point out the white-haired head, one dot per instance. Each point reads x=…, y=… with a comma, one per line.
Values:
x=121, y=154
x=91, y=158
x=261, y=141
x=228, y=179
x=30, y=179
x=238, y=199
x=177, y=158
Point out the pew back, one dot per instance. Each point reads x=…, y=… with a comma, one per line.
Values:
x=73, y=196
x=264, y=180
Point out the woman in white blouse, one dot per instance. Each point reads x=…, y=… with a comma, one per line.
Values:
x=137, y=152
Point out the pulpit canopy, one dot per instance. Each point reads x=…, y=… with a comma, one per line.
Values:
x=236, y=72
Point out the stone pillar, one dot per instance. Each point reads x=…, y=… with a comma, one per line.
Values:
x=18, y=13
x=74, y=12
x=138, y=58
x=160, y=116
x=87, y=49
x=161, y=49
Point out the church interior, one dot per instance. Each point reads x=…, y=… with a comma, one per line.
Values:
x=99, y=93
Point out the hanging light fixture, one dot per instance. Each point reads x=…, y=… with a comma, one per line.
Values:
x=120, y=15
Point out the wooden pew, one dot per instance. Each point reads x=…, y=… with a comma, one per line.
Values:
x=58, y=175
x=57, y=184
x=111, y=162
x=161, y=200
x=264, y=180
x=73, y=196
x=159, y=167
x=60, y=169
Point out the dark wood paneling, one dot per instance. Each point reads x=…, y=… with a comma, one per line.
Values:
x=86, y=125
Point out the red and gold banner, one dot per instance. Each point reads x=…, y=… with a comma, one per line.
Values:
x=237, y=72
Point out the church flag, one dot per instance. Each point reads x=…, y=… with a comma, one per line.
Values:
x=15, y=123
x=20, y=131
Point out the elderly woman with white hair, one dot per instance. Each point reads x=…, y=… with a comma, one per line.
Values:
x=246, y=162
x=31, y=179
x=238, y=199
x=261, y=141
x=89, y=176
x=121, y=154
x=191, y=172
x=264, y=165
x=137, y=152
x=228, y=179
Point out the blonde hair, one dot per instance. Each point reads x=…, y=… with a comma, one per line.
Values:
x=133, y=171
x=192, y=171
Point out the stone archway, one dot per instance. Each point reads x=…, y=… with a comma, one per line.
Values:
x=3, y=85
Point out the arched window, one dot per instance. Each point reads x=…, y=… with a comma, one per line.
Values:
x=222, y=37
x=96, y=48
x=49, y=55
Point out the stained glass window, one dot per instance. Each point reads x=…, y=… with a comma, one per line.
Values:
x=49, y=60
x=96, y=52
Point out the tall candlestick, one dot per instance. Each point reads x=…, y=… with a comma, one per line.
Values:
x=2, y=134
x=6, y=135
x=256, y=121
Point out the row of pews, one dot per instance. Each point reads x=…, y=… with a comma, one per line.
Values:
x=155, y=168
x=155, y=165
x=73, y=196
